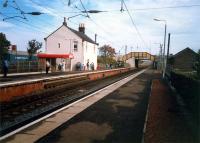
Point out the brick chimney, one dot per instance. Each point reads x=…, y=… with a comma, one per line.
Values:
x=81, y=28
x=64, y=22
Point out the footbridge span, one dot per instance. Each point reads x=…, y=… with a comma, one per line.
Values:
x=139, y=56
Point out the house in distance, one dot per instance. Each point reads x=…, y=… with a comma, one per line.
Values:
x=184, y=60
x=72, y=47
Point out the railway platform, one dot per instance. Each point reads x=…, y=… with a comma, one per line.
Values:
x=123, y=112
x=18, y=77
x=114, y=114
x=17, y=87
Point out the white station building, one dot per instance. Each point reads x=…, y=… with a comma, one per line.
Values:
x=66, y=45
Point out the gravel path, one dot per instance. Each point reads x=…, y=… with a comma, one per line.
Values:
x=166, y=123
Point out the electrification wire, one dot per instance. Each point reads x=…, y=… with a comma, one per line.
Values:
x=49, y=10
x=137, y=30
x=47, y=33
x=161, y=8
x=135, y=10
x=142, y=9
x=84, y=8
x=91, y=19
x=151, y=8
x=39, y=28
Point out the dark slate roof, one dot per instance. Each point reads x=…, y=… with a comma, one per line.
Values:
x=79, y=34
x=185, y=51
x=83, y=36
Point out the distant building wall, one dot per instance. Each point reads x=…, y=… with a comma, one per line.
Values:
x=184, y=60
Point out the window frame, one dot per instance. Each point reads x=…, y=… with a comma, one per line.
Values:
x=75, y=43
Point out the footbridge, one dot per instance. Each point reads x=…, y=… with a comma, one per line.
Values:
x=139, y=56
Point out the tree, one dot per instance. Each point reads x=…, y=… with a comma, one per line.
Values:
x=197, y=64
x=4, y=44
x=106, y=54
x=33, y=47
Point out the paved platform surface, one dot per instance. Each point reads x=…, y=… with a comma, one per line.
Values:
x=52, y=121
x=167, y=121
x=117, y=118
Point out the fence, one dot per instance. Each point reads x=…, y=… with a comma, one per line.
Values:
x=25, y=66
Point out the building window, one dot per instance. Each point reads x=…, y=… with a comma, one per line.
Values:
x=75, y=46
x=58, y=45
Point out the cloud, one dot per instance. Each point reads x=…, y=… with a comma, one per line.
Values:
x=115, y=28
x=4, y=24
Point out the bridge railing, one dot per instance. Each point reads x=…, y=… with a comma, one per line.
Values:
x=138, y=55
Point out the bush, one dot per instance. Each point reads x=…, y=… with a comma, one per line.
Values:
x=189, y=89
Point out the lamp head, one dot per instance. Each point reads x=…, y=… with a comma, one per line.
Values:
x=156, y=19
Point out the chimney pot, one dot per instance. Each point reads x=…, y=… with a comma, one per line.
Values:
x=81, y=28
x=95, y=38
x=64, y=22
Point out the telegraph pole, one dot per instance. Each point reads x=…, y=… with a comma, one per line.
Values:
x=169, y=38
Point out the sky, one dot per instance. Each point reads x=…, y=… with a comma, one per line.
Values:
x=113, y=27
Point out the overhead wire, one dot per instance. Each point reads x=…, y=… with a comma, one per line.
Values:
x=42, y=31
x=89, y=17
x=133, y=23
x=39, y=29
x=93, y=21
x=128, y=10
x=142, y=9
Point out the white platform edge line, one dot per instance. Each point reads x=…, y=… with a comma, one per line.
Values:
x=45, y=117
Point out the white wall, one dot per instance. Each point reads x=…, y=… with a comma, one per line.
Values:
x=90, y=53
x=66, y=38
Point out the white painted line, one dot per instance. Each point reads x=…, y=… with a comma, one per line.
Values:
x=125, y=80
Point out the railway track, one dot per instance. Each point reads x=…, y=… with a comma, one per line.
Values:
x=57, y=95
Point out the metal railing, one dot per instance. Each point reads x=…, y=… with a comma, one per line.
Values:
x=24, y=66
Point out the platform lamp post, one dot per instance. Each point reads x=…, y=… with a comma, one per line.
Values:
x=164, y=58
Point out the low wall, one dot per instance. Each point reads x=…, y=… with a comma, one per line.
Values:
x=15, y=91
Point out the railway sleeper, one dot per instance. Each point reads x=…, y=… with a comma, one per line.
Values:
x=62, y=81
x=43, y=93
x=60, y=86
